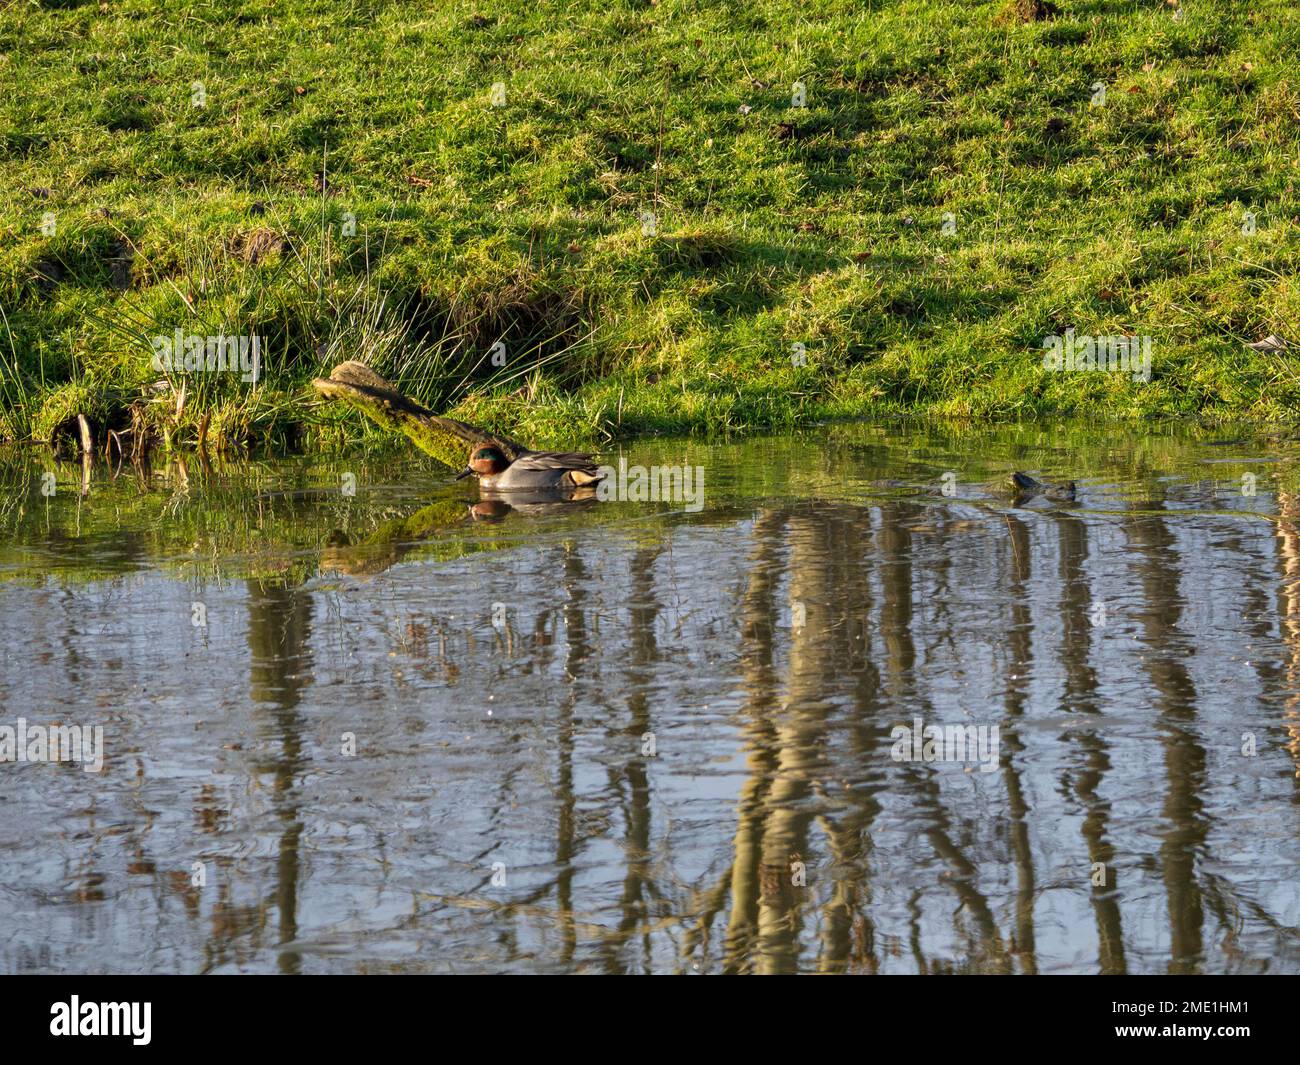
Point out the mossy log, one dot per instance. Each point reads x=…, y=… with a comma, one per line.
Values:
x=445, y=439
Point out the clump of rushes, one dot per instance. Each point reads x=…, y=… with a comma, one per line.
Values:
x=639, y=231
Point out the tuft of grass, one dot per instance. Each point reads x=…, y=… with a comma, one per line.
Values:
x=639, y=237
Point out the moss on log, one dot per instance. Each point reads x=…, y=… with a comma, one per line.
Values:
x=445, y=439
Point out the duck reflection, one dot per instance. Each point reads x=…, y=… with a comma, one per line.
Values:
x=535, y=502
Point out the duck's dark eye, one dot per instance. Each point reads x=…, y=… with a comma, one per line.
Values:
x=483, y=454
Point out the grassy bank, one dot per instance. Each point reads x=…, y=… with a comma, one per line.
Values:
x=646, y=225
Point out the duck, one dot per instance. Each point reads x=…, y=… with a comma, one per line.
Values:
x=530, y=471
x=1057, y=493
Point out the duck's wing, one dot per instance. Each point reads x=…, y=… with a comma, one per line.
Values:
x=555, y=460
x=446, y=439
x=580, y=465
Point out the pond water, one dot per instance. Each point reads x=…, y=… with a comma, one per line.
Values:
x=387, y=730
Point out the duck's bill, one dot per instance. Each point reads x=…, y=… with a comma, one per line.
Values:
x=464, y=473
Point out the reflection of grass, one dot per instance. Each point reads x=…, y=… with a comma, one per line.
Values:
x=291, y=520
x=524, y=224
x=230, y=520
x=226, y=520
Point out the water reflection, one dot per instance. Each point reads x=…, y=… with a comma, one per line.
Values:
x=280, y=661
x=625, y=738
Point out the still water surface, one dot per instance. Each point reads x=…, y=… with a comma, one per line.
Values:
x=621, y=737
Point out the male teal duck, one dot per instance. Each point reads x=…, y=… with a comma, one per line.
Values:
x=530, y=470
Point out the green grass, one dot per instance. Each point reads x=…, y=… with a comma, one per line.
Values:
x=524, y=224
